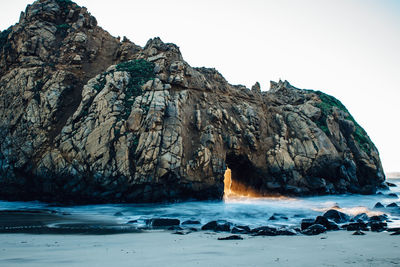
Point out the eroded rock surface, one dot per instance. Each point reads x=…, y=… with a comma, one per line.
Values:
x=86, y=117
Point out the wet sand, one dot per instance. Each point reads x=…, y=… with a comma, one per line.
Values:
x=51, y=222
x=162, y=248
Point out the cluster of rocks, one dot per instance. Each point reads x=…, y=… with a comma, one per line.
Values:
x=82, y=120
x=331, y=220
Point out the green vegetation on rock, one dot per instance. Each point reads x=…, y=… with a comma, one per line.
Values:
x=62, y=30
x=64, y=2
x=101, y=82
x=326, y=105
x=140, y=71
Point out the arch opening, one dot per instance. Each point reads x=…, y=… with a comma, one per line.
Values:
x=236, y=189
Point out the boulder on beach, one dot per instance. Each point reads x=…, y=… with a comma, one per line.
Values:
x=356, y=226
x=336, y=216
x=305, y=223
x=265, y=231
x=217, y=226
x=231, y=237
x=314, y=229
x=358, y=232
x=326, y=222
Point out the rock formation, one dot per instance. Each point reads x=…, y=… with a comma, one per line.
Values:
x=86, y=117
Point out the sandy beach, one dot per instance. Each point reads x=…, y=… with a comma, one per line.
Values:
x=161, y=248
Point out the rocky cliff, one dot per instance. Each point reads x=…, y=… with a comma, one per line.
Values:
x=86, y=117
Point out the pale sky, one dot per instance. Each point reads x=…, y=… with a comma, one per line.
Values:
x=347, y=48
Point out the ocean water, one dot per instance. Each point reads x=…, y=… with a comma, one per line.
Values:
x=238, y=210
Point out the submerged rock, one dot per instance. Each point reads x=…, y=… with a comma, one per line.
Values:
x=391, y=184
x=392, y=205
x=86, y=117
x=379, y=205
x=163, y=222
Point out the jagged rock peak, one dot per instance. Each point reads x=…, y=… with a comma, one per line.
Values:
x=276, y=86
x=256, y=87
x=87, y=118
x=56, y=11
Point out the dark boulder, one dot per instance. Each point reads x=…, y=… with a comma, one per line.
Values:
x=231, y=237
x=210, y=226
x=378, y=218
x=175, y=228
x=356, y=226
x=264, y=231
x=163, y=222
x=305, y=223
x=392, y=205
x=217, y=227
x=327, y=223
x=336, y=216
x=393, y=195
x=358, y=232
x=277, y=216
x=379, y=205
x=225, y=227
x=378, y=226
x=190, y=222
x=314, y=229
x=390, y=184
x=288, y=232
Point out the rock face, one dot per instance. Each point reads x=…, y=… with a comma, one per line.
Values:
x=86, y=117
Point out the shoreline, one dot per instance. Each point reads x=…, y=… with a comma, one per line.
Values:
x=161, y=248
